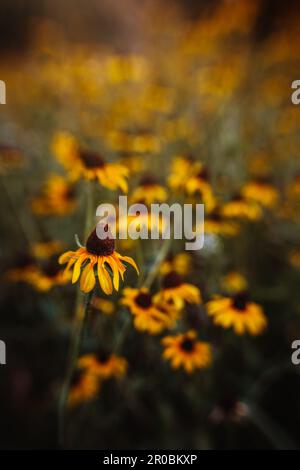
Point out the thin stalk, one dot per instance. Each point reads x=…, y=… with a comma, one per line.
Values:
x=79, y=329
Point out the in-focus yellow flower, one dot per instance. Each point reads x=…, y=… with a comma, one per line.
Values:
x=175, y=290
x=261, y=191
x=184, y=350
x=98, y=254
x=81, y=163
x=150, y=315
x=234, y=282
x=241, y=208
x=57, y=197
x=149, y=191
x=103, y=365
x=180, y=263
x=84, y=387
x=237, y=312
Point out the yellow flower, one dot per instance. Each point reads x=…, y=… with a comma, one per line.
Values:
x=149, y=315
x=149, y=191
x=103, y=305
x=44, y=250
x=101, y=254
x=57, y=198
x=217, y=224
x=260, y=191
x=181, y=166
x=183, y=350
x=180, y=263
x=178, y=292
x=84, y=386
x=48, y=276
x=24, y=270
x=81, y=163
x=103, y=365
x=240, y=208
x=234, y=282
x=237, y=312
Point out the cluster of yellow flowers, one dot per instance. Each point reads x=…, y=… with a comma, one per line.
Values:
x=174, y=125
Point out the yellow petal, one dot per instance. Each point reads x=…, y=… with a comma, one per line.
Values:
x=65, y=257
x=88, y=280
x=112, y=263
x=77, y=268
x=129, y=260
x=104, y=278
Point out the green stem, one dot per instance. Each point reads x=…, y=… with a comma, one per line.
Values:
x=163, y=252
x=79, y=329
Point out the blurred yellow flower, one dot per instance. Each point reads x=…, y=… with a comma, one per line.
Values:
x=87, y=164
x=103, y=365
x=237, y=312
x=184, y=350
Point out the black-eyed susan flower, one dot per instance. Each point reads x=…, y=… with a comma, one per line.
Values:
x=24, y=270
x=240, y=208
x=48, y=275
x=233, y=282
x=103, y=365
x=184, y=350
x=85, y=386
x=237, y=312
x=175, y=290
x=99, y=254
x=182, y=165
x=180, y=263
x=44, y=250
x=103, y=305
x=150, y=315
x=217, y=224
x=261, y=191
x=149, y=191
x=57, y=197
x=87, y=164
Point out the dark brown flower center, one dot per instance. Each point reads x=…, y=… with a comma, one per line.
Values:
x=237, y=197
x=215, y=216
x=148, y=180
x=99, y=247
x=240, y=301
x=188, y=345
x=172, y=279
x=91, y=159
x=143, y=300
x=102, y=356
x=51, y=268
x=23, y=260
x=203, y=174
x=77, y=377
